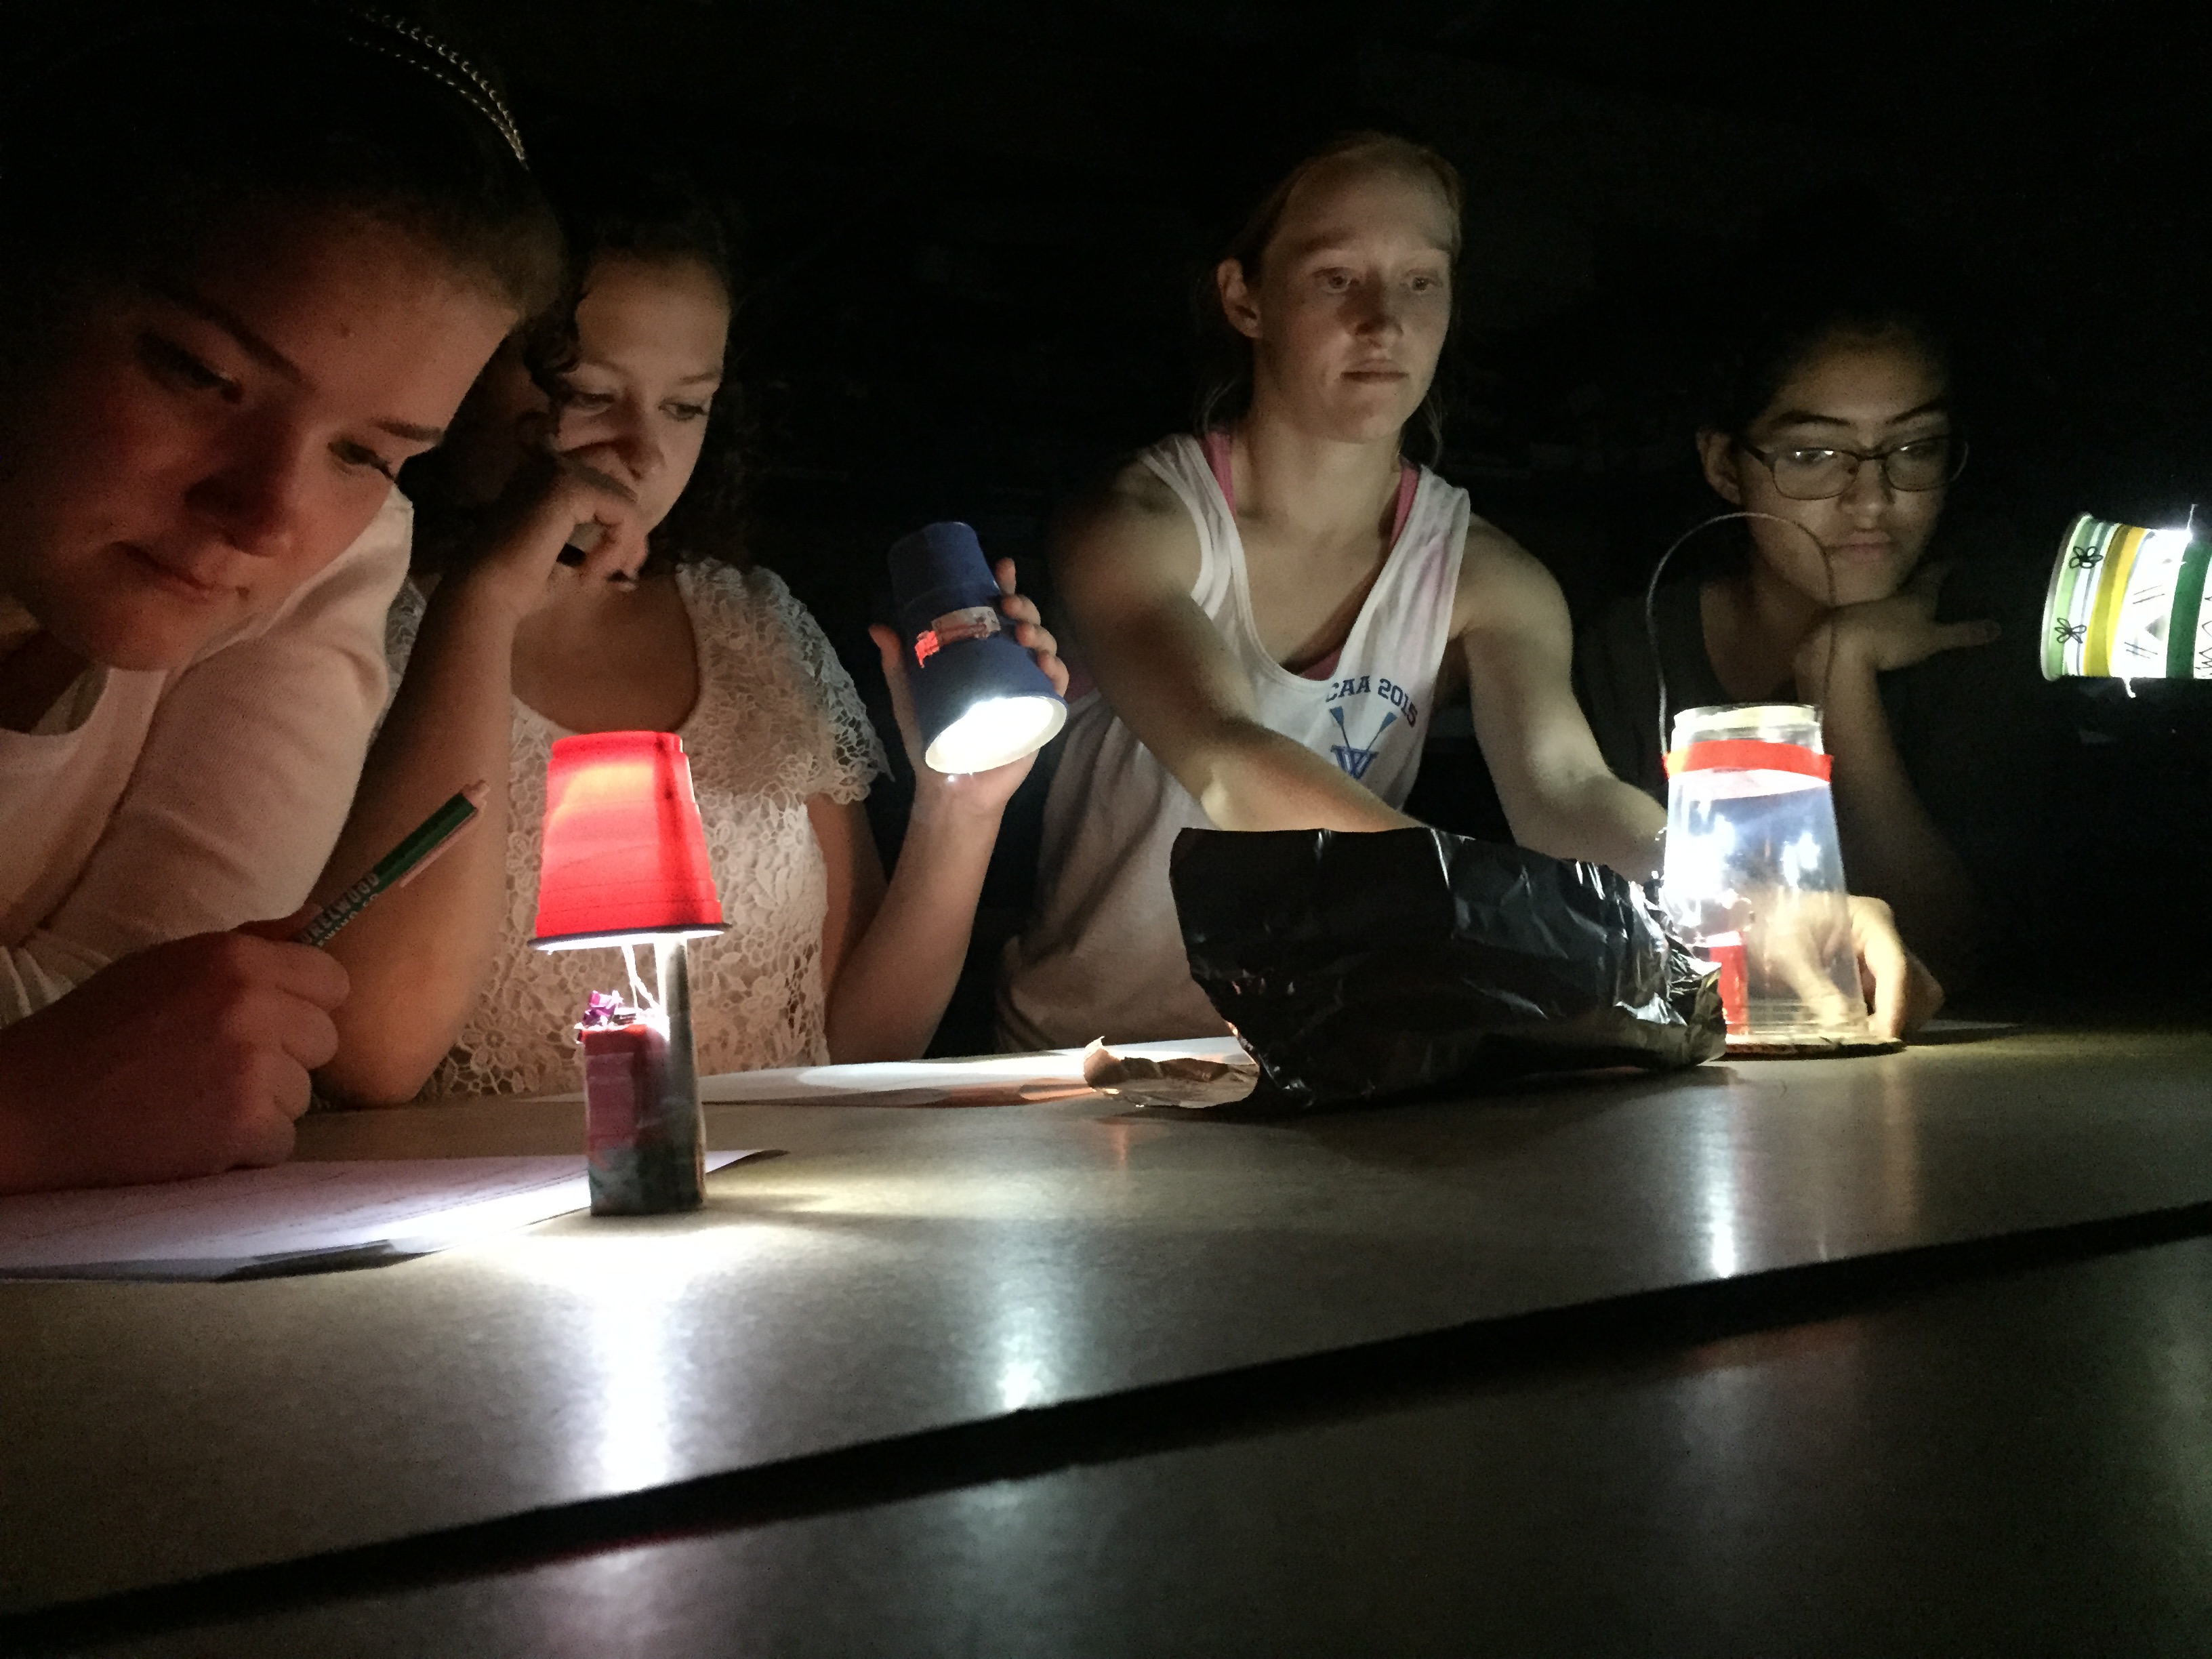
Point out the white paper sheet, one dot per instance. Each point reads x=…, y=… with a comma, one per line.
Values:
x=990, y=1081
x=295, y=1218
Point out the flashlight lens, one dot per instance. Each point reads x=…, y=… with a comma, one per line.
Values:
x=996, y=733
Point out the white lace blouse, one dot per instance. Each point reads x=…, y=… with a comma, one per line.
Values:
x=777, y=721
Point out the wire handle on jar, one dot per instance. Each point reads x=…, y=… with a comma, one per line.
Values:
x=1651, y=599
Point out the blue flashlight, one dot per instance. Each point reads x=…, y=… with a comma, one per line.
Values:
x=980, y=699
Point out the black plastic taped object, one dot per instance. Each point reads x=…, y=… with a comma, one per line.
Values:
x=1362, y=968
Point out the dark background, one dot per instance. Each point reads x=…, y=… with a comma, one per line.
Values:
x=972, y=231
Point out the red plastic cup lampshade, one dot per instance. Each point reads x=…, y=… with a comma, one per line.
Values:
x=624, y=855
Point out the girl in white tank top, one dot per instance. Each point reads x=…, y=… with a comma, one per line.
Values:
x=1103, y=954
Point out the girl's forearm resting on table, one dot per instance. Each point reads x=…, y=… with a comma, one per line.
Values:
x=891, y=987
x=420, y=954
x=1891, y=848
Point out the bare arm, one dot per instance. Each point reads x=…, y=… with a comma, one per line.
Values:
x=185, y=1060
x=419, y=956
x=1891, y=845
x=1552, y=781
x=891, y=955
x=1125, y=564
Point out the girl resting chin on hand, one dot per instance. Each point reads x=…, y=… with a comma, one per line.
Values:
x=1837, y=431
x=626, y=432
x=1273, y=605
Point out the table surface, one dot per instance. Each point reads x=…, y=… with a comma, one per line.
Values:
x=2022, y=1466
x=905, y=1271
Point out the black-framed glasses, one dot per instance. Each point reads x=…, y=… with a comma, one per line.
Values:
x=1809, y=473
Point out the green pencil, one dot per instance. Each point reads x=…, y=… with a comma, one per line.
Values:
x=397, y=867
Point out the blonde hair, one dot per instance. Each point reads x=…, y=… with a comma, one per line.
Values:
x=1225, y=391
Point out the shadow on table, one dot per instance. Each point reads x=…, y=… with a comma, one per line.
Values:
x=1462, y=1125
x=1950, y=1033
x=735, y=1204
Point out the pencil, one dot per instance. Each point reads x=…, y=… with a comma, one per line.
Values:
x=398, y=866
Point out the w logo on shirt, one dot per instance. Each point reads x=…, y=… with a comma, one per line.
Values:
x=1354, y=759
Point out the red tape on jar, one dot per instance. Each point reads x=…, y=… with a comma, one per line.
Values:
x=1748, y=754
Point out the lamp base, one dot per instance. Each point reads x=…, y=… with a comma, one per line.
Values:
x=1755, y=1048
x=645, y=1136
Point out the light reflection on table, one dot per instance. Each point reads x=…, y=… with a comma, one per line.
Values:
x=631, y=1297
x=904, y=1270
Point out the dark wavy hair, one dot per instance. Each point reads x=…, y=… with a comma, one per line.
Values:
x=1774, y=306
x=613, y=207
x=136, y=133
x=1788, y=296
x=1226, y=356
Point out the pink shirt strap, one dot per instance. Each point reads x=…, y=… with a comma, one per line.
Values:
x=1218, y=447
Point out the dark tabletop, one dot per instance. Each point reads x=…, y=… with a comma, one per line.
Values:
x=1837, y=1356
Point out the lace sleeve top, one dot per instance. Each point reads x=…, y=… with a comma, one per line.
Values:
x=777, y=721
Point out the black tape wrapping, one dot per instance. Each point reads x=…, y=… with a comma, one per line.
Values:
x=1362, y=968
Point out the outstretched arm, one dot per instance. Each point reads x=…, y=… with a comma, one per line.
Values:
x=1552, y=781
x=1125, y=562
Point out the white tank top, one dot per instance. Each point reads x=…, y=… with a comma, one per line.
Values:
x=1103, y=956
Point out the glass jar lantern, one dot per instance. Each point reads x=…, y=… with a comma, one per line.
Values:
x=1753, y=875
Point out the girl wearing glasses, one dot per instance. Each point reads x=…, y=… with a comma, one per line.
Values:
x=1838, y=437
x=1272, y=604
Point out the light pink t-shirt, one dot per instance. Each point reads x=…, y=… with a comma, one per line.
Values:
x=150, y=805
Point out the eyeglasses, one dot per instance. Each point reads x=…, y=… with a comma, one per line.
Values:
x=1814, y=474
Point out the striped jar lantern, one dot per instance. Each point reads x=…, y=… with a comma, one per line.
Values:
x=2128, y=602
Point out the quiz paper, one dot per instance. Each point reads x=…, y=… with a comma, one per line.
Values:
x=296, y=1218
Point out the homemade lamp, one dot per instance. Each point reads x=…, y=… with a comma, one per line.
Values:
x=624, y=863
x=981, y=700
x=2128, y=602
x=1754, y=877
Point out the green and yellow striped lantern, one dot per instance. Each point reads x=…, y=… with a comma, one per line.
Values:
x=2128, y=602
